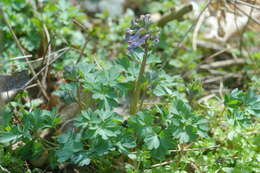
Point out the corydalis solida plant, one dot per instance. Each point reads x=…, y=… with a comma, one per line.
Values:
x=142, y=34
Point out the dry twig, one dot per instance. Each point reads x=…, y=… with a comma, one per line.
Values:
x=206, y=98
x=162, y=164
x=4, y=169
x=218, y=53
x=245, y=3
x=54, y=59
x=16, y=58
x=248, y=15
x=221, y=78
x=44, y=78
x=183, y=150
x=224, y=63
x=195, y=149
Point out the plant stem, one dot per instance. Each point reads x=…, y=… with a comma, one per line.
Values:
x=138, y=83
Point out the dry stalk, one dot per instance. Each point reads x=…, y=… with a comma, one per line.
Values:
x=23, y=53
x=224, y=63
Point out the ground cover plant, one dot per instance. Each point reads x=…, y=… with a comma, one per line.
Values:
x=146, y=90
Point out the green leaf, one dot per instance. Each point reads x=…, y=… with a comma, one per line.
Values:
x=152, y=142
x=181, y=135
x=159, y=91
x=100, y=147
x=234, y=99
x=7, y=137
x=64, y=154
x=69, y=145
x=5, y=117
x=125, y=142
x=138, y=54
x=82, y=159
x=166, y=143
x=185, y=125
x=252, y=103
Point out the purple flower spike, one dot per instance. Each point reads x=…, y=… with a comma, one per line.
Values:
x=137, y=40
x=140, y=31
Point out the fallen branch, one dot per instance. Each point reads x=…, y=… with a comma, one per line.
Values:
x=174, y=15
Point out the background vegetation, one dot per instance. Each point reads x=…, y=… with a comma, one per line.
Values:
x=111, y=95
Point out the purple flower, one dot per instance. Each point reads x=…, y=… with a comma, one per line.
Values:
x=136, y=40
x=139, y=32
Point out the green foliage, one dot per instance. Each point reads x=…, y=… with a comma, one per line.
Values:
x=170, y=123
x=241, y=106
x=188, y=125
